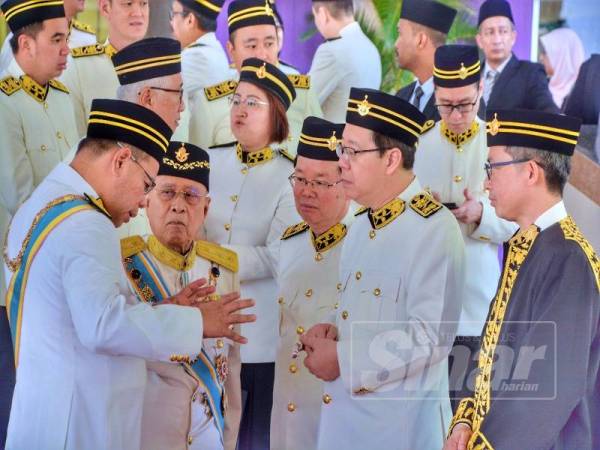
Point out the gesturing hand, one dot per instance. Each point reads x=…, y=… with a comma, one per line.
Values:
x=220, y=316
x=191, y=294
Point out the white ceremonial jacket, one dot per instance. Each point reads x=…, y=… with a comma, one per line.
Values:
x=84, y=339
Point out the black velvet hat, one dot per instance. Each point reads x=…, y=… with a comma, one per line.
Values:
x=269, y=77
x=206, y=8
x=146, y=59
x=429, y=13
x=185, y=160
x=20, y=13
x=456, y=66
x=245, y=13
x=493, y=8
x=319, y=139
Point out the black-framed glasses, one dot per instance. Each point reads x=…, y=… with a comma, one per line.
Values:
x=317, y=185
x=174, y=91
x=462, y=108
x=191, y=197
x=341, y=150
x=176, y=13
x=491, y=166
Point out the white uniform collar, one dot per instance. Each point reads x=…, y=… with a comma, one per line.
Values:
x=349, y=29
x=207, y=39
x=66, y=175
x=411, y=190
x=555, y=214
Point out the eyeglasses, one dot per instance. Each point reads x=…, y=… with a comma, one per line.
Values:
x=174, y=91
x=341, y=150
x=176, y=13
x=461, y=107
x=190, y=196
x=488, y=166
x=317, y=185
x=250, y=102
x=147, y=186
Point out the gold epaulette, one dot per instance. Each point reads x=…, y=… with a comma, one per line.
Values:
x=294, y=230
x=98, y=204
x=428, y=126
x=283, y=152
x=425, y=205
x=10, y=85
x=58, y=85
x=132, y=245
x=82, y=27
x=88, y=50
x=360, y=211
x=300, y=81
x=217, y=254
x=220, y=90
x=572, y=232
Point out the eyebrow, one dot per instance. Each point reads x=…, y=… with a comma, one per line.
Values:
x=58, y=35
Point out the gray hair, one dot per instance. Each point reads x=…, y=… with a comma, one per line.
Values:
x=557, y=167
x=131, y=92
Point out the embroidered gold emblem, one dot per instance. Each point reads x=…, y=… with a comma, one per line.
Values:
x=424, y=205
x=10, y=85
x=181, y=154
x=268, y=9
x=332, y=142
x=329, y=239
x=262, y=72
x=463, y=72
x=494, y=126
x=294, y=230
x=300, y=81
x=220, y=90
x=364, y=107
x=387, y=213
x=428, y=126
x=459, y=139
x=254, y=158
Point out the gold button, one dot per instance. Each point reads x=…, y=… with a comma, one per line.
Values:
x=376, y=292
x=339, y=286
x=59, y=135
x=372, y=234
x=220, y=343
x=291, y=407
x=318, y=257
x=327, y=399
x=190, y=440
x=227, y=226
x=457, y=179
x=459, y=149
x=358, y=275
x=309, y=293
x=300, y=329
x=45, y=105
x=244, y=171
x=344, y=315
x=336, y=306
x=234, y=198
x=293, y=368
x=281, y=300
x=43, y=148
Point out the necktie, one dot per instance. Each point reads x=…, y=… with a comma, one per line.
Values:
x=490, y=80
x=417, y=98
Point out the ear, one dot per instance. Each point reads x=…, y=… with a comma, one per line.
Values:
x=535, y=174
x=206, y=206
x=25, y=43
x=145, y=97
x=422, y=40
x=104, y=7
x=119, y=157
x=393, y=160
x=478, y=40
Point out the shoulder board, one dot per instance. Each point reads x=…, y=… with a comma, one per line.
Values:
x=283, y=152
x=83, y=27
x=220, y=90
x=88, y=50
x=428, y=126
x=425, y=205
x=132, y=245
x=360, y=211
x=10, y=85
x=572, y=232
x=300, y=81
x=294, y=230
x=226, y=145
x=217, y=254
x=58, y=85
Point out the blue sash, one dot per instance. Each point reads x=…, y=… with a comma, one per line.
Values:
x=43, y=224
x=150, y=287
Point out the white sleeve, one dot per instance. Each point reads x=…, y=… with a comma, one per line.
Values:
x=106, y=317
x=324, y=73
x=492, y=228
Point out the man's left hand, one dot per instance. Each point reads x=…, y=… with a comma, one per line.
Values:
x=470, y=211
x=321, y=359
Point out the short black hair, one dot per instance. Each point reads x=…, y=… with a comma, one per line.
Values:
x=204, y=23
x=337, y=8
x=99, y=146
x=31, y=30
x=385, y=143
x=556, y=166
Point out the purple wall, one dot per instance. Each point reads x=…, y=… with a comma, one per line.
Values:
x=299, y=54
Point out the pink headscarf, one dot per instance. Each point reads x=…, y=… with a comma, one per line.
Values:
x=565, y=52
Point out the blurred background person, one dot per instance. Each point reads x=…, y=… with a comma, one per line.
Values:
x=584, y=101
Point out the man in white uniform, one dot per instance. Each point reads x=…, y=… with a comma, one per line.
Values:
x=307, y=274
x=401, y=269
x=184, y=406
x=347, y=58
x=80, y=338
x=450, y=163
x=252, y=33
x=90, y=73
x=203, y=59
x=80, y=33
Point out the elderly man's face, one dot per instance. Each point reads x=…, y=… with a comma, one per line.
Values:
x=176, y=211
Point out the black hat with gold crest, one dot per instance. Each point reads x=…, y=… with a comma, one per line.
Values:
x=385, y=114
x=121, y=121
x=20, y=13
x=206, y=8
x=456, y=66
x=533, y=129
x=185, y=160
x=319, y=139
x=147, y=59
x=269, y=77
x=246, y=13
